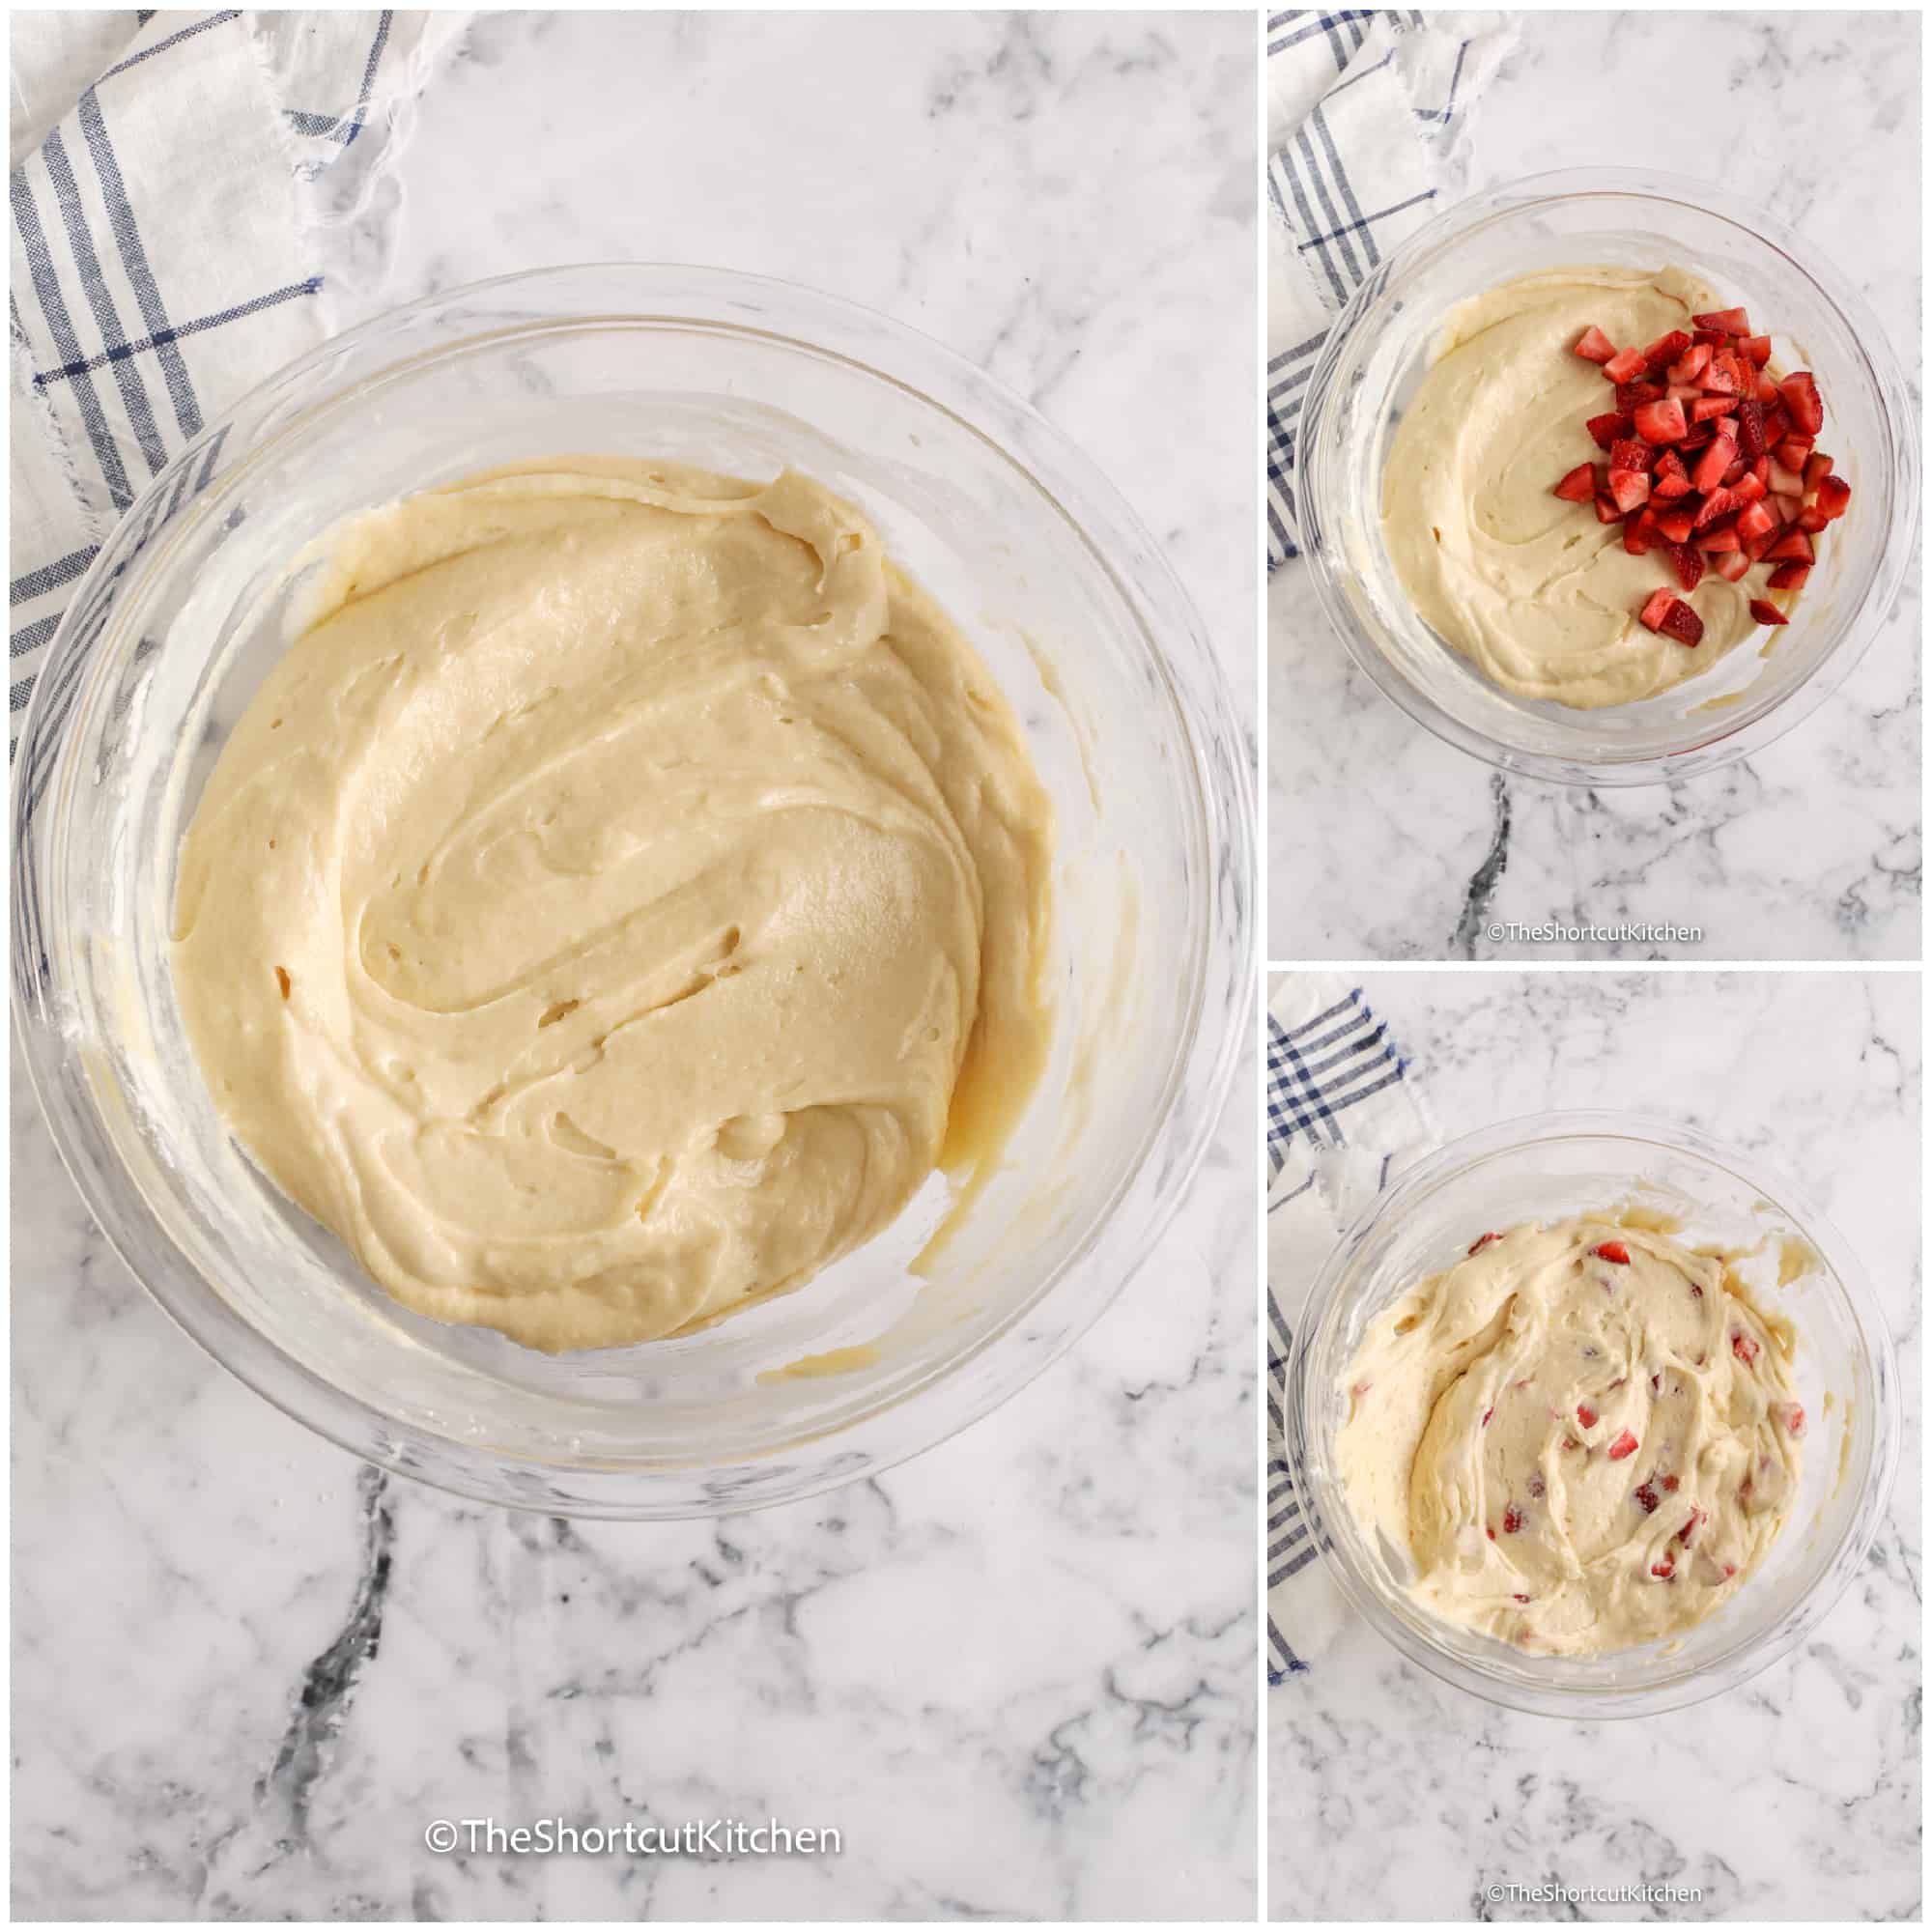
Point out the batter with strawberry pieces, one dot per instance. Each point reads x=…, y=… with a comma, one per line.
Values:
x=1604, y=484
x=1582, y=1437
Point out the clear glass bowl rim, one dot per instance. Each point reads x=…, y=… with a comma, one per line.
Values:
x=1524, y=1132
x=1727, y=742
x=1207, y=1058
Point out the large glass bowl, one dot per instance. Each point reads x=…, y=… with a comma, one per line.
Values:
x=1552, y=1167
x=1381, y=347
x=1075, y=610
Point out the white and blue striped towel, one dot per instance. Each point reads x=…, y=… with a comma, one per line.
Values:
x=1343, y=1117
x=173, y=180
x=1364, y=111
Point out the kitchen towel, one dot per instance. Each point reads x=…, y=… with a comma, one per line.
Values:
x=1366, y=110
x=1343, y=1119
x=176, y=179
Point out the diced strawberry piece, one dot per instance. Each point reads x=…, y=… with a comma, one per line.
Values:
x=1638, y=536
x=1666, y=1569
x=1612, y=1251
x=1742, y=1346
x=1630, y=454
x=1790, y=576
x=1674, y=526
x=1727, y=426
x=1786, y=482
x=1756, y=547
x=1660, y=422
x=1691, y=1528
x=1579, y=486
x=1512, y=1520
x=1747, y=489
x=1671, y=464
x=1757, y=348
x=1733, y=475
x=1817, y=467
x=1707, y=408
x=1718, y=503
x=1721, y=377
x=1666, y=348
x=1647, y=1496
x=1695, y=360
x=1791, y=1414
x=1777, y=423
x=1689, y=564
x=1715, y=460
x=1538, y=1488
x=1800, y=397
x=1750, y=429
x=1594, y=346
x=1810, y=518
x=1631, y=394
x=1626, y=1443
x=1666, y=488
x=1754, y=520
x=1625, y=366
x=1792, y=450
x=1655, y=607
x=1683, y=624
x=1731, y=566
x=1766, y=389
x=1835, y=497
x=1607, y=511
x=1483, y=1242
x=1730, y=321
x=1669, y=1483
x=1767, y=613
x=1793, y=547
x=1730, y=1569
x=1697, y=436
x=1630, y=489
x=1607, y=427
x=1722, y=538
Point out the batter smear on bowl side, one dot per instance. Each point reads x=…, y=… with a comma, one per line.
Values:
x=623, y=895
x=1582, y=1437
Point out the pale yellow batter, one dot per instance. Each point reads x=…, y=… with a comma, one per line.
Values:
x=1574, y=1453
x=623, y=893
x=1537, y=593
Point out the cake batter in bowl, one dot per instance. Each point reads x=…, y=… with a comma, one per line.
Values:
x=1652, y=1190
x=965, y=1295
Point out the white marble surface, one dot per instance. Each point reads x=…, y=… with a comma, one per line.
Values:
x=1385, y=843
x=1017, y=1674
x=1796, y=1796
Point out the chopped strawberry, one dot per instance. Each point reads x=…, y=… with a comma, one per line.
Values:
x=1718, y=503
x=1742, y=1346
x=1716, y=541
x=1777, y=423
x=1721, y=378
x=1731, y=565
x=1792, y=449
x=1713, y=462
x=1519, y=1596
x=1624, y=1445
x=1790, y=576
x=1695, y=437
x=1666, y=348
x=1767, y=613
x=1735, y=475
x=1607, y=427
x=1747, y=489
x=1757, y=348
x=1667, y=485
x=1794, y=545
x=1660, y=422
x=1786, y=481
x=1666, y=1569
x=1607, y=511
x=1538, y=1488
x=1683, y=623
x=1835, y=496
x=1579, y=486
x=1811, y=520
x=1688, y=563
x=1707, y=408
x=1691, y=1528
x=1791, y=1414
x=1670, y=1484
x=1800, y=397
x=1628, y=453
x=1641, y=532
x=1630, y=489
x=1817, y=467
x=1674, y=526
x=1696, y=360
x=1512, y=1520
x=1766, y=389
x=1647, y=1496
x=1728, y=321
x=1710, y=338
x=1655, y=607
x=1594, y=346
x=1631, y=394
x=1626, y=366
x=1486, y=1413
x=1750, y=429
x=1483, y=1242
x=1612, y=1251
x=1753, y=519
x=1730, y=1569
x=1586, y=1415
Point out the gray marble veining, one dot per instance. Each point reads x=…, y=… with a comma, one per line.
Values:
x=1017, y=1674
x=1385, y=843
x=1796, y=1796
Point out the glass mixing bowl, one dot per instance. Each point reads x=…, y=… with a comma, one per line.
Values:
x=1377, y=353
x=1552, y=1167
x=1024, y=545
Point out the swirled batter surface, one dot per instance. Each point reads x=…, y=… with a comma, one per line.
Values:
x=1536, y=592
x=1577, y=1452
x=619, y=898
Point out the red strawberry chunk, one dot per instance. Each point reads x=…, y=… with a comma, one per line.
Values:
x=1790, y=576
x=1688, y=563
x=1538, y=1488
x=1707, y=408
x=1794, y=545
x=1750, y=429
x=1612, y=1251
x=1835, y=496
x=1683, y=623
x=1670, y=1484
x=1695, y=360
x=1757, y=348
x=1631, y=394
x=1579, y=486
x=1812, y=518
x=1655, y=607
x=1607, y=427
x=1666, y=487
x=1748, y=488
x=1716, y=541
x=1666, y=1569
x=1483, y=1242
x=1742, y=1346
x=1754, y=520
x=1713, y=462
x=1791, y=1414
x=1691, y=1528
x=1730, y=321
x=1641, y=532
x=1625, y=1445
x=1607, y=511
x=1630, y=489
x=1512, y=1520
x=1718, y=503
x=1647, y=1496
x=1731, y=565
x=1629, y=454
x=1767, y=613
x=1594, y=346
x=1721, y=378
x=1660, y=422
x=1625, y=366
x=1800, y=397
x=1586, y=1415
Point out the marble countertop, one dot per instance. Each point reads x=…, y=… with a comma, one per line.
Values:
x=1795, y=1797
x=1385, y=843
x=1017, y=1674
